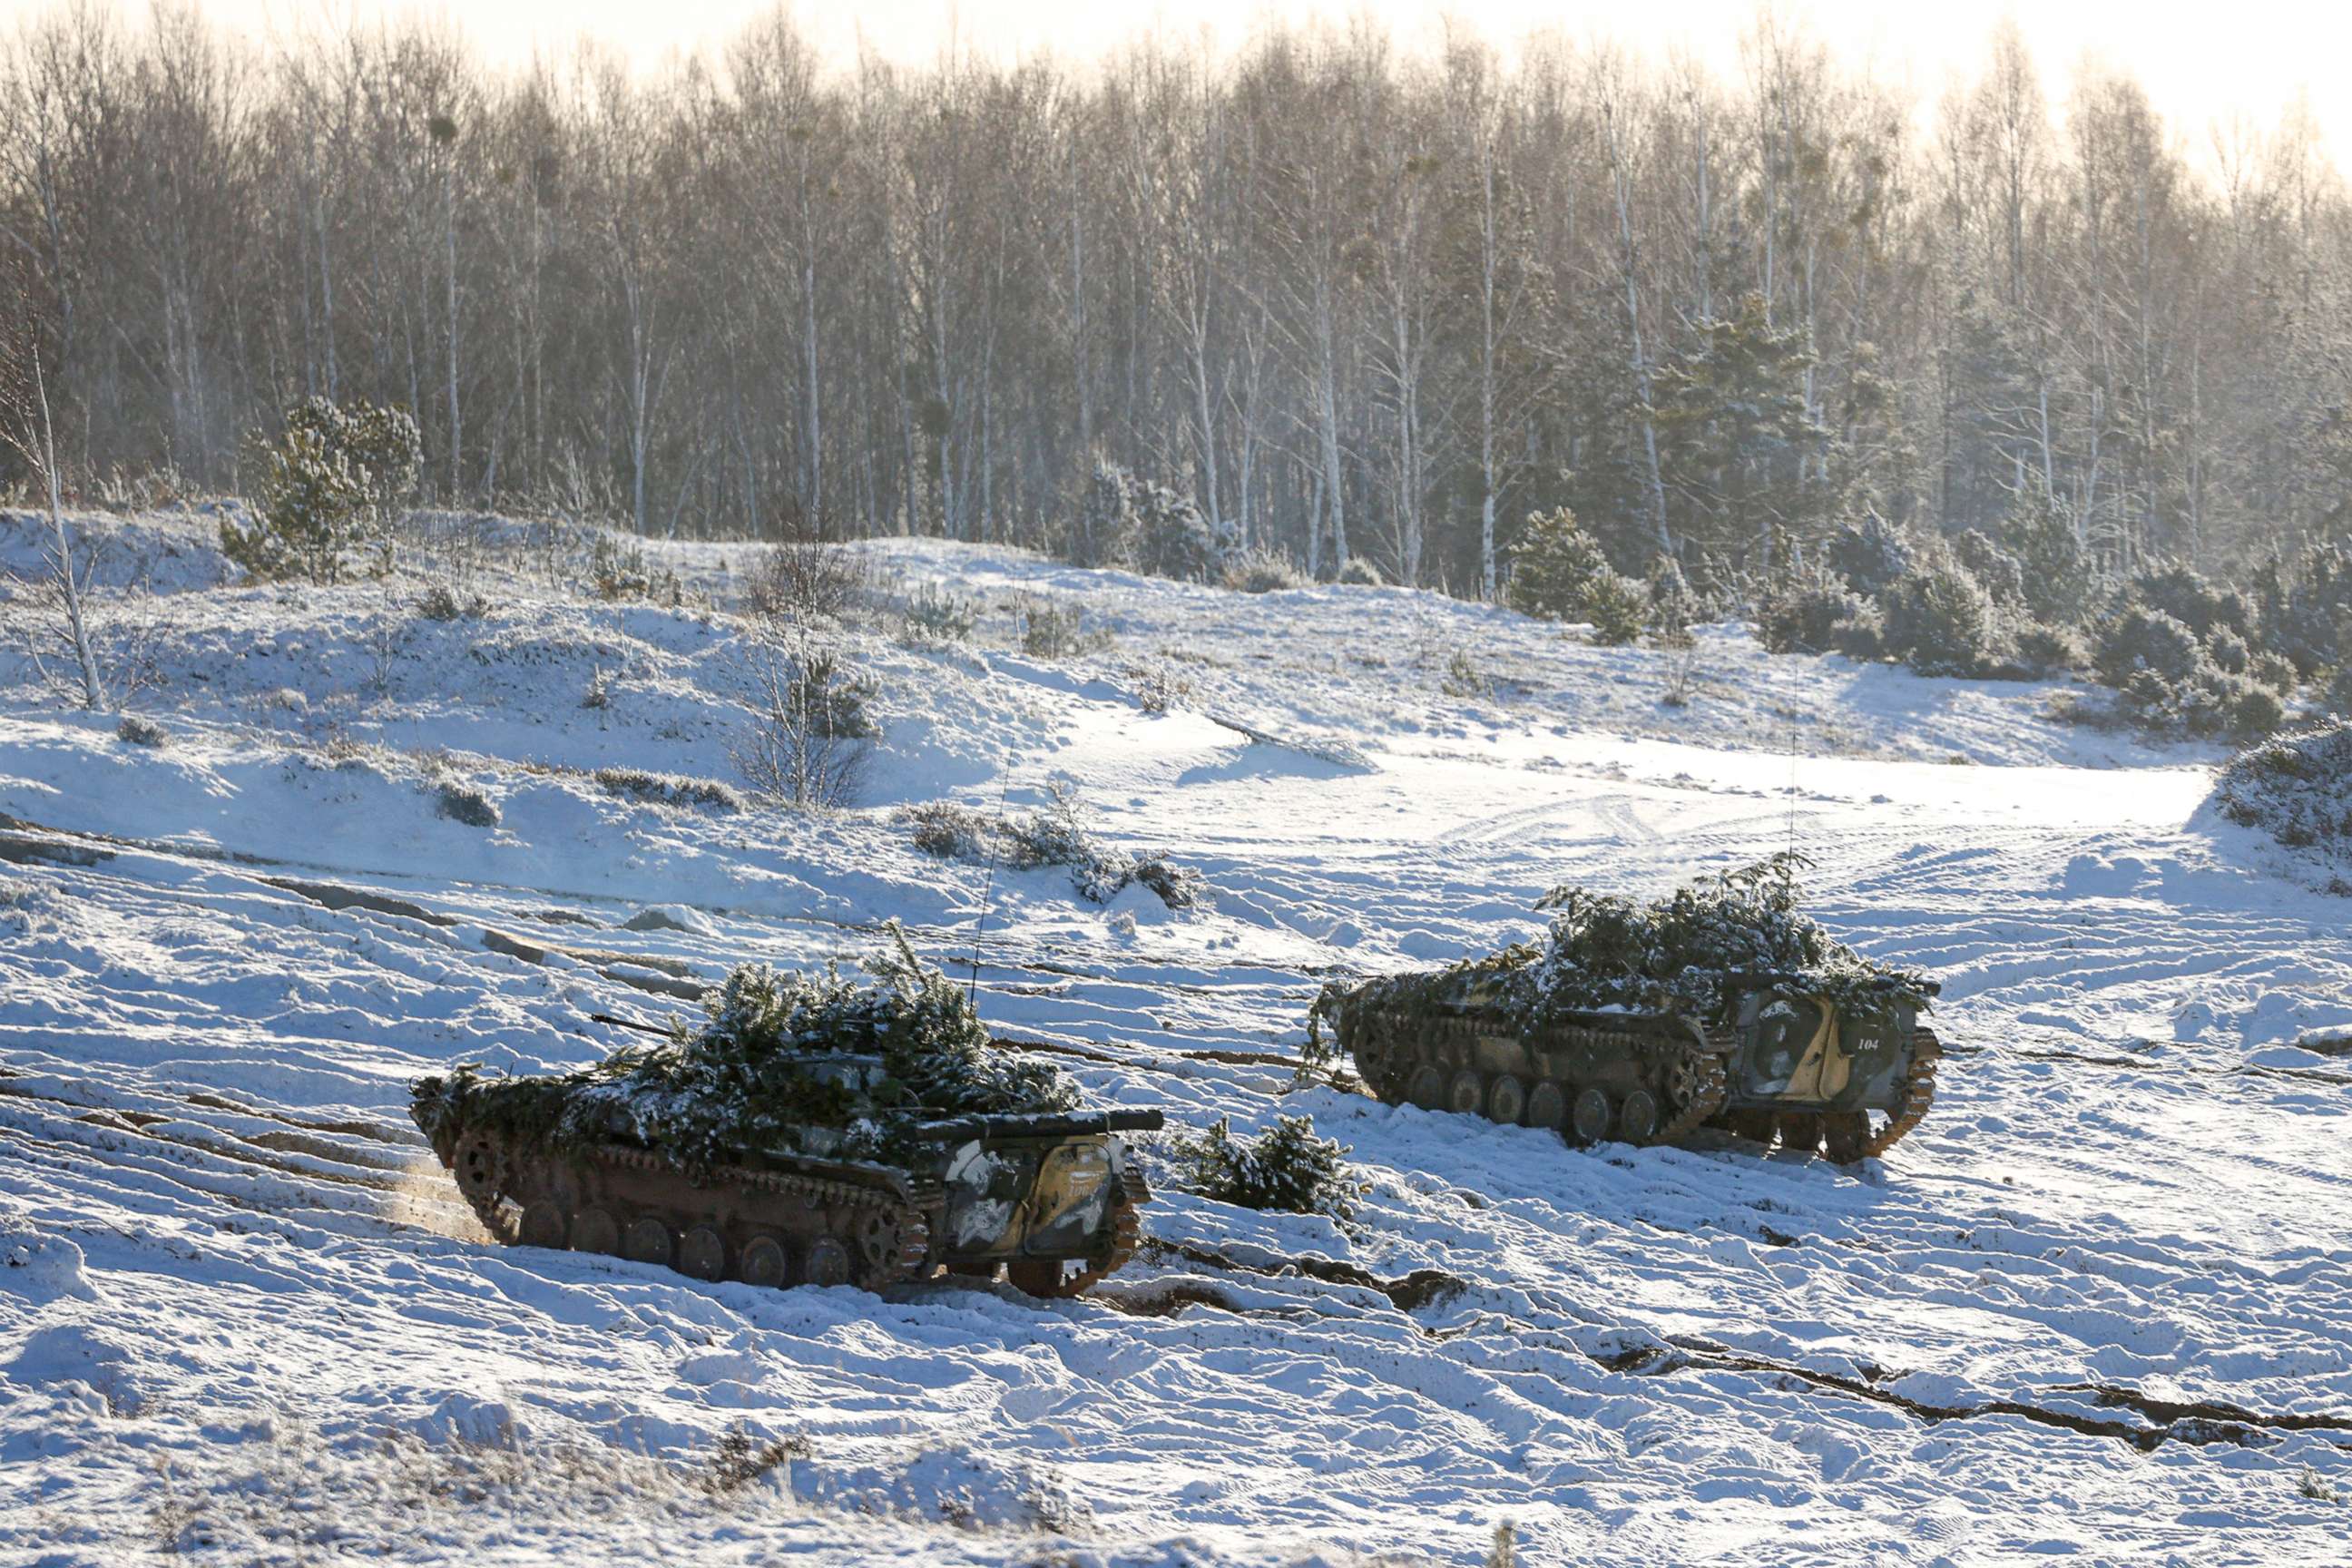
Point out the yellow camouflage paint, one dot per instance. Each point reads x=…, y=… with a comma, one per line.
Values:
x=1825, y=1068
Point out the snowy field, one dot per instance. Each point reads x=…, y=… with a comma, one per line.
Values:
x=2099, y=1305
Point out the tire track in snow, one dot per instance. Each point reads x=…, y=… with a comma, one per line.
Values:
x=1622, y=1244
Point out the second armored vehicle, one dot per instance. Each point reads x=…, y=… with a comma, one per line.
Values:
x=1815, y=1074
x=1720, y=1007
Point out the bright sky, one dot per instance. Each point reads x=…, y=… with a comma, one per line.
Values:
x=2200, y=63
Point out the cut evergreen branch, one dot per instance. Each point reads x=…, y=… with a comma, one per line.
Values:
x=1685, y=954
x=815, y=1062
x=1286, y=1169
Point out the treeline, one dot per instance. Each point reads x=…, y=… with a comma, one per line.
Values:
x=1353, y=302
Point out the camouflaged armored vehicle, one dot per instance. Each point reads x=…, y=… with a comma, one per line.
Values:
x=1721, y=1006
x=1053, y=1198
x=813, y=1130
x=1806, y=1070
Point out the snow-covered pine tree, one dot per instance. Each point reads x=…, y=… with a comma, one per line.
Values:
x=1553, y=567
x=1106, y=523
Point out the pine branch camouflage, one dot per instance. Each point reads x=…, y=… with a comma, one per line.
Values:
x=818, y=1063
x=1678, y=954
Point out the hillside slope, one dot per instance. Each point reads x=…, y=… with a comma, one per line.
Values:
x=2100, y=1303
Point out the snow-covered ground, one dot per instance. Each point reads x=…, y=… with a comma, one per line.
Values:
x=2099, y=1304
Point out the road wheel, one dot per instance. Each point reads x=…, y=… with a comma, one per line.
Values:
x=828, y=1262
x=763, y=1262
x=647, y=1240
x=1800, y=1131
x=1637, y=1119
x=702, y=1252
x=593, y=1230
x=1590, y=1117
x=544, y=1223
x=1845, y=1135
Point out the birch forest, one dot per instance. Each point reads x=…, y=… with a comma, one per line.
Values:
x=1353, y=299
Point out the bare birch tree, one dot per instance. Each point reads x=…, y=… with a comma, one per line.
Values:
x=31, y=431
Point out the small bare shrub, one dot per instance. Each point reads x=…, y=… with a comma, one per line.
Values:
x=934, y=617
x=127, y=492
x=599, y=695
x=1157, y=688
x=950, y=831
x=384, y=638
x=1681, y=676
x=465, y=803
x=343, y=750
x=1050, y=630
x=1055, y=833
x=25, y=904
x=137, y=729
x=1463, y=678
x=1673, y=606
x=736, y=1461
x=617, y=571
x=442, y=602
x=1262, y=571
x=667, y=789
x=807, y=743
x=799, y=582
x=176, y=1524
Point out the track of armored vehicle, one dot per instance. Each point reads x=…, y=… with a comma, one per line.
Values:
x=1638, y=1078
x=1052, y=1199
x=1793, y=1069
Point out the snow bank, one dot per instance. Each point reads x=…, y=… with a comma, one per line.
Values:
x=255, y=1313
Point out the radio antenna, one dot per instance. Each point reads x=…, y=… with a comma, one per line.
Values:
x=987, y=892
x=1792, y=786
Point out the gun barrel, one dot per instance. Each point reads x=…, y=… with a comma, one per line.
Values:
x=1076, y=1124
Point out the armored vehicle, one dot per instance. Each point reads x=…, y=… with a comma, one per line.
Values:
x=1643, y=1079
x=1722, y=1004
x=1051, y=1197
x=812, y=1130
x=1773, y=1063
